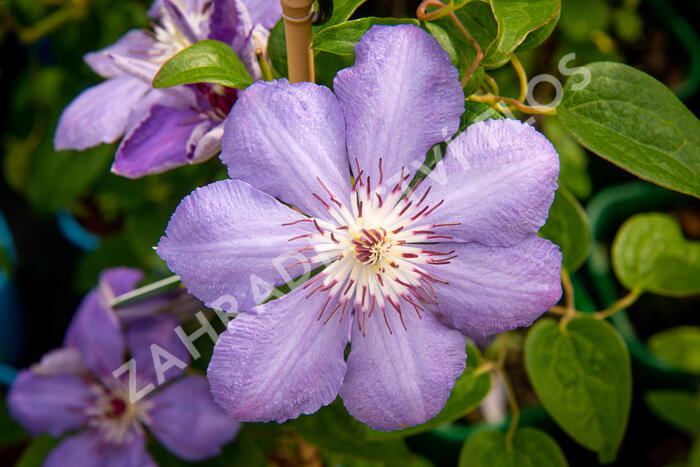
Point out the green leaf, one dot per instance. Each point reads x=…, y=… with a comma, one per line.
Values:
x=679, y=347
x=677, y=408
x=466, y=395
x=567, y=226
x=530, y=447
x=478, y=20
x=334, y=430
x=573, y=159
x=516, y=19
x=207, y=61
x=36, y=452
x=581, y=374
x=538, y=36
x=277, y=44
x=650, y=254
x=10, y=431
x=341, y=39
x=580, y=20
x=630, y=119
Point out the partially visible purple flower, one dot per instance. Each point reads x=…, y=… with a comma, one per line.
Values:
x=164, y=128
x=407, y=272
x=72, y=389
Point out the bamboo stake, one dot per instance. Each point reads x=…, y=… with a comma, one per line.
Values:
x=297, y=24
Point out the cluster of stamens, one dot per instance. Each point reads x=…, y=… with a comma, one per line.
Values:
x=115, y=416
x=375, y=251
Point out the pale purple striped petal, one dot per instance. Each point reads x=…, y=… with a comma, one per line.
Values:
x=185, y=419
x=498, y=180
x=282, y=137
x=265, y=12
x=135, y=43
x=400, y=97
x=90, y=449
x=99, y=114
x=49, y=404
x=279, y=360
x=401, y=378
x=496, y=289
x=227, y=240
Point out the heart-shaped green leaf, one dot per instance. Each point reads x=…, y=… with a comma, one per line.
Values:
x=567, y=226
x=678, y=408
x=530, y=447
x=679, y=347
x=207, y=61
x=630, y=119
x=538, y=36
x=516, y=19
x=649, y=253
x=582, y=376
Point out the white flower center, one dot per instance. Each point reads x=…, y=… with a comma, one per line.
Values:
x=169, y=39
x=376, y=249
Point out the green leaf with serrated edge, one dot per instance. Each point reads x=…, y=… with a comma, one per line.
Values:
x=333, y=429
x=516, y=19
x=677, y=408
x=277, y=44
x=207, y=61
x=567, y=226
x=538, y=36
x=530, y=447
x=36, y=452
x=573, y=159
x=630, y=119
x=341, y=39
x=679, y=347
x=582, y=376
x=650, y=254
x=466, y=395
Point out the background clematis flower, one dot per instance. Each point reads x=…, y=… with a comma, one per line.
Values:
x=72, y=389
x=164, y=128
x=405, y=276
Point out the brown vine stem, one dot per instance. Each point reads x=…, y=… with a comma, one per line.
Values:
x=621, y=304
x=448, y=10
x=522, y=76
x=493, y=100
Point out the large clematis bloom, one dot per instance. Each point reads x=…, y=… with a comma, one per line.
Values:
x=164, y=128
x=407, y=271
x=73, y=389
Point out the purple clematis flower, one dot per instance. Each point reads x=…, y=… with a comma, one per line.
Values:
x=164, y=128
x=407, y=271
x=72, y=388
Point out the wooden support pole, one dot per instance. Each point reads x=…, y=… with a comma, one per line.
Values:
x=297, y=24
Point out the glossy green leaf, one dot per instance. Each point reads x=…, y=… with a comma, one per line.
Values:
x=333, y=429
x=573, y=159
x=630, y=119
x=467, y=393
x=277, y=44
x=36, y=452
x=649, y=253
x=677, y=408
x=478, y=20
x=516, y=19
x=207, y=61
x=679, y=347
x=567, y=226
x=538, y=36
x=341, y=39
x=530, y=447
x=582, y=376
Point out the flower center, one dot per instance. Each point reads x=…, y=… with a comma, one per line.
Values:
x=169, y=38
x=115, y=416
x=376, y=251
